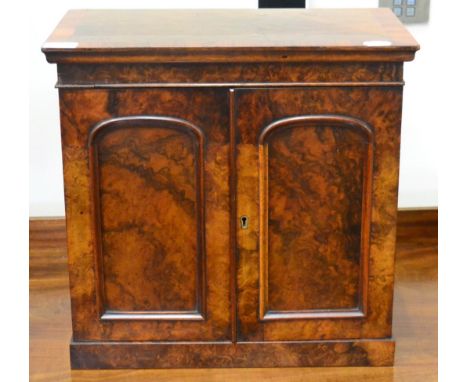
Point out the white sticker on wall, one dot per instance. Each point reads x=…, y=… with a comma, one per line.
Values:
x=377, y=43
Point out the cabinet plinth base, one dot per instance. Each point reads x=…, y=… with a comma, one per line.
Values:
x=145, y=355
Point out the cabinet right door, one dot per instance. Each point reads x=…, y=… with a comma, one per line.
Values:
x=317, y=177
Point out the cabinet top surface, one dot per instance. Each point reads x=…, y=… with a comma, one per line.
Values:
x=186, y=33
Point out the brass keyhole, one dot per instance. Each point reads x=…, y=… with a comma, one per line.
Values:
x=244, y=222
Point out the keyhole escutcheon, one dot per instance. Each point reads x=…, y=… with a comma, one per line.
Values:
x=244, y=222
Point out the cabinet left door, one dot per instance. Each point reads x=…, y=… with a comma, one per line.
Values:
x=146, y=177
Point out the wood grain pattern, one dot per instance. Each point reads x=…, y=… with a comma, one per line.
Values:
x=146, y=177
x=315, y=184
x=228, y=36
x=245, y=74
x=124, y=355
x=417, y=222
x=148, y=174
x=415, y=319
x=257, y=108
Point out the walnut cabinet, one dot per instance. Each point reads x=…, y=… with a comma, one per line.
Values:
x=231, y=185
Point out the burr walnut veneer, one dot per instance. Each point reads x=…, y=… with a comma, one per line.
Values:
x=231, y=185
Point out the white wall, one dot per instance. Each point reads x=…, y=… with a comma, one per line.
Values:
x=418, y=186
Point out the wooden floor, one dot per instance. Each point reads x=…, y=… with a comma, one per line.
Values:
x=415, y=318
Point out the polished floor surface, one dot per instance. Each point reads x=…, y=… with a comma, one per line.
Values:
x=415, y=321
